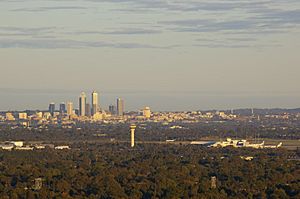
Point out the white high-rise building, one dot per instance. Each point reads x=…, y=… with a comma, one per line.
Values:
x=120, y=107
x=70, y=108
x=82, y=104
x=95, y=103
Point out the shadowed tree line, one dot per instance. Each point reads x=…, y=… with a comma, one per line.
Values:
x=149, y=171
x=153, y=132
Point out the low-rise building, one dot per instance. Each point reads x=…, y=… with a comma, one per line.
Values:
x=8, y=147
x=9, y=117
x=23, y=116
x=24, y=148
x=61, y=147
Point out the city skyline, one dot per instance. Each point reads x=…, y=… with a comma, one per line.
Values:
x=189, y=55
x=85, y=108
x=149, y=98
x=137, y=100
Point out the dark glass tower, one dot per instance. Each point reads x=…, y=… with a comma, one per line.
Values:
x=62, y=108
x=82, y=104
x=52, y=108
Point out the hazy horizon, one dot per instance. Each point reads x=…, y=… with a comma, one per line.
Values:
x=169, y=55
x=38, y=99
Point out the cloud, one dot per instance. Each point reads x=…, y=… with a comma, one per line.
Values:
x=48, y=38
x=52, y=32
x=282, y=17
x=271, y=22
x=184, y=6
x=132, y=32
x=126, y=31
x=63, y=44
x=235, y=45
x=265, y=16
x=199, y=25
x=238, y=18
x=224, y=43
x=25, y=31
x=49, y=8
x=211, y=45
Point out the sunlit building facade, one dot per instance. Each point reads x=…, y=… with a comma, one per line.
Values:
x=23, y=116
x=70, y=108
x=120, y=107
x=95, y=102
x=147, y=112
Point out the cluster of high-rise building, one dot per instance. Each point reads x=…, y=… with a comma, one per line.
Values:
x=86, y=109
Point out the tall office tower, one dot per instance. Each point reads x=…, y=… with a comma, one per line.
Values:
x=70, y=108
x=52, y=108
x=95, y=102
x=88, y=110
x=112, y=109
x=62, y=108
x=82, y=104
x=120, y=107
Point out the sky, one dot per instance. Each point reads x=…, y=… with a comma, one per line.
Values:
x=166, y=54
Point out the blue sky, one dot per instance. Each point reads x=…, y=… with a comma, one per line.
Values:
x=169, y=55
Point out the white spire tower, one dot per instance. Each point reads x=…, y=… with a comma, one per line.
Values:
x=132, y=130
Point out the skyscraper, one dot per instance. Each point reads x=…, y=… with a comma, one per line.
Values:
x=82, y=104
x=87, y=110
x=95, y=102
x=62, y=108
x=52, y=108
x=70, y=108
x=120, y=107
x=112, y=109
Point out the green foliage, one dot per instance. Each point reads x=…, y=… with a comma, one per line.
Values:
x=149, y=171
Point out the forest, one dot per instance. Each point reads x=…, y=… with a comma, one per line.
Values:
x=110, y=171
